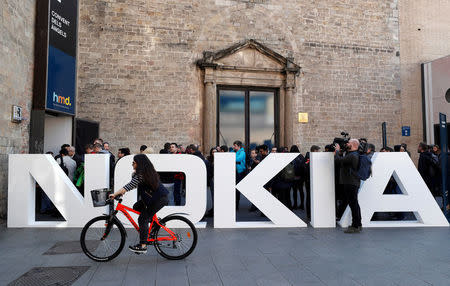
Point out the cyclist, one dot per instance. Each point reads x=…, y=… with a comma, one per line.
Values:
x=152, y=196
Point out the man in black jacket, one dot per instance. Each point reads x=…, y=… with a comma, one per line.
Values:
x=350, y=181
x=427, y=166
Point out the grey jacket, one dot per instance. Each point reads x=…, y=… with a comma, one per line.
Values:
x=348, y=168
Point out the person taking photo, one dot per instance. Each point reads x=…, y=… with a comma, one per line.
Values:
x=350, y=181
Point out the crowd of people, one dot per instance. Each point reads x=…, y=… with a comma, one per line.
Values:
x=291, y=185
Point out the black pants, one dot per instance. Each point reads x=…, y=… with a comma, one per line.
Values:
x=308, y=199
x=147, y=214
x=341, y=200
x=298, y=186
x=351, y=194
x=282, y=190
x=239, y=177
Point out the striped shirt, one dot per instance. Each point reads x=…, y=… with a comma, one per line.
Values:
x=135, y=181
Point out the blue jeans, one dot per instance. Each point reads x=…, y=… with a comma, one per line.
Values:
x=177, y=192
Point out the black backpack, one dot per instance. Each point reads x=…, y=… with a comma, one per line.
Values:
x=364, y=167
x=299, y=166
x=63, y=166
x=288, y=173
x=433, y=166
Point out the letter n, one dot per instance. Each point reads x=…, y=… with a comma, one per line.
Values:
x=26, y=169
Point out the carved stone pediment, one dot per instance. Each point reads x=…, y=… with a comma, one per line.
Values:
x=248, y=55
x=249, y=58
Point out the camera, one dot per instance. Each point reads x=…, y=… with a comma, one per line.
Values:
x=342, y=141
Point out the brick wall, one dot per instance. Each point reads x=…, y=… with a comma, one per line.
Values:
x=137, y=64
x=16, y=74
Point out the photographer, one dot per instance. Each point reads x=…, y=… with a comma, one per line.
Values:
x=348, y=164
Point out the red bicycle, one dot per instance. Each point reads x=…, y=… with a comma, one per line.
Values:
x=103, y=237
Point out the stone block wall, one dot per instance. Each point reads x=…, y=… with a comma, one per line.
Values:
x=17, y=20
x=138, y=78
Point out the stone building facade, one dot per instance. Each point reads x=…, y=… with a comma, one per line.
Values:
x=16, y=82
x=138, y=71
x=148, y=70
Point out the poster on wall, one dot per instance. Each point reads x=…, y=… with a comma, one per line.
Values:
x=62, y=50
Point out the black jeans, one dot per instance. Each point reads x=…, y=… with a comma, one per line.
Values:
x=298, y=186
x=341, y=200
x=282, y=190
x=147, y=214
x=308, y=199
x=351, y=194
x=239, y=177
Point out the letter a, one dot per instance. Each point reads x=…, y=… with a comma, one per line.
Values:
x=416, y=196
x=252, y=186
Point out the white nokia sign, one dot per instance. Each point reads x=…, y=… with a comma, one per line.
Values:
x=25, y=170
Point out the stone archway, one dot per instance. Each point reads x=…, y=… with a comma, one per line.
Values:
x=248, y=64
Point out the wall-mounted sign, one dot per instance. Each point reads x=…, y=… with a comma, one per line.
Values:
x=16, y=115
x=303, y=117
x=406, y=131
x=62, y=49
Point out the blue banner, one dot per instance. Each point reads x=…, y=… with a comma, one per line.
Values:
x=61, y=65
x=61, y=81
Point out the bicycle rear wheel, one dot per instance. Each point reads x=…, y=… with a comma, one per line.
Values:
x=185, y=233
x=98, y=248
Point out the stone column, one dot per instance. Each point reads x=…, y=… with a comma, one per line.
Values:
x=209, y=111
x=289, y=109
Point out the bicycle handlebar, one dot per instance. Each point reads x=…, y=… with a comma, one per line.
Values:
x=117, y=198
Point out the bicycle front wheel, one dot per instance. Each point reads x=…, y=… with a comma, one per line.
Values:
x=186, y=238
x=96, y=245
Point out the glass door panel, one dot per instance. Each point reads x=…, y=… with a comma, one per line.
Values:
x=231, y=116
x=262, y=118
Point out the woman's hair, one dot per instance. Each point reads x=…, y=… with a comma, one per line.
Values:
x=145, y=168
x=294, y=149
x=210, y=158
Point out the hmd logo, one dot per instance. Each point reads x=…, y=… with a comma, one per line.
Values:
x=61, y=99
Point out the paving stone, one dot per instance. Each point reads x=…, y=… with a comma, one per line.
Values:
x=66, y=247
x=249, y=257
